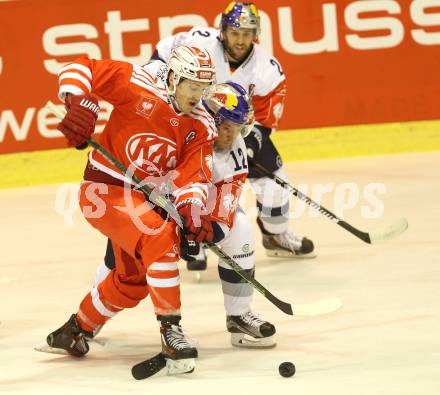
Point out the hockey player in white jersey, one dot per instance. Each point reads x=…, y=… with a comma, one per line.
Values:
x=230, y=106
x=239, y=58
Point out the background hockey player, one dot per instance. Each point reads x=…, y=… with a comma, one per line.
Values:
x=160, y=129
x=230, y=106
x=239, y=58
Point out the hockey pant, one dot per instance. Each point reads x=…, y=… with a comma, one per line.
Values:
x=145, y=251
x=239, y=244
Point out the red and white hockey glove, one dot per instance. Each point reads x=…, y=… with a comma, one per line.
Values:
x=79, y=123
x=197, y=225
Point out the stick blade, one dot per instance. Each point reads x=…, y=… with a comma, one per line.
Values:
x=149, y=367
x=321, y=307
x=283, y=306
x=392, y=231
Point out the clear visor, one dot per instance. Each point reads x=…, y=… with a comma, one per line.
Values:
x=195, y=87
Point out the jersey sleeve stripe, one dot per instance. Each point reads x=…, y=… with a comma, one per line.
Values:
x=195, y=201
x=142, y=78
x=74, y=82
x=75, y=76
x=190, y=191
x=141, y=72
x=150, y=88
x=76, y=66
x=146, y=81
x=143, y=75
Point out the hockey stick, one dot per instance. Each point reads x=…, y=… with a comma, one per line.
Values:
x=371, y=238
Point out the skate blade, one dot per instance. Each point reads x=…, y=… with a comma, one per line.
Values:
x=101, y=342
x=246, y=341
x=288, y=254
x=44, y=347
x=180, y=366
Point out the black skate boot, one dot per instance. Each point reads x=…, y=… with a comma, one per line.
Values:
x=178, y=350
x=286, y=245
x=70, y=337
x=247, y=330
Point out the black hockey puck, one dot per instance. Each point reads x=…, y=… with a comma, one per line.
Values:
x=287, y=369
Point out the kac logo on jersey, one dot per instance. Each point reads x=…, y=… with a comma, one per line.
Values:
x=151, y=153
x=145, y=106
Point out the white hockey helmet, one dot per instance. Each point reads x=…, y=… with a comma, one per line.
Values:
x=191, y=63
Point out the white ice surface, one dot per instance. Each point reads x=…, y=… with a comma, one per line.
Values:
x=384, y=340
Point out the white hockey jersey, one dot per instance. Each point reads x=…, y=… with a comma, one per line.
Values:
x=260, y=71
x=230, y=169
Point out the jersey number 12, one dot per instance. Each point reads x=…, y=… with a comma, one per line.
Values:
x=243, y=164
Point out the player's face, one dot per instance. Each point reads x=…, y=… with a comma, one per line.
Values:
x=189, y=93
x=238, y=43
x=227, y=133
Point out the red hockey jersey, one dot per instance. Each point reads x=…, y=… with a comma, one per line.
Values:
x=144, y=131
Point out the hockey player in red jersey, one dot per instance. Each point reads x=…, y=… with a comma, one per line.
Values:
x=238, y=57
x=229, y=104
x=160, y=131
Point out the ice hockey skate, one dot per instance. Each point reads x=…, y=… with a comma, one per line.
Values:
x=179, y=351
x=286, y=244
x=69, y=339
x=249, y=331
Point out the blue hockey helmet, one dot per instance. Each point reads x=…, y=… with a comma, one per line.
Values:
x=230, y=101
